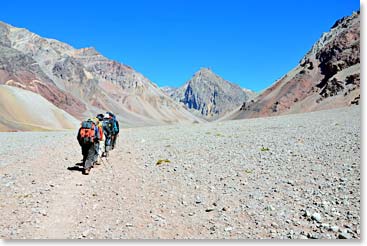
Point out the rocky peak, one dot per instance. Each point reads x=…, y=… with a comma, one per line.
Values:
x=328, y=76
x=208, y=95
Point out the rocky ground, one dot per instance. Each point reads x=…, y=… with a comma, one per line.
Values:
x=288, y=177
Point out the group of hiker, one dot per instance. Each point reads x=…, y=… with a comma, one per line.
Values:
x=97, y=136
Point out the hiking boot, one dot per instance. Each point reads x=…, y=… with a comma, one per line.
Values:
x=86, y=171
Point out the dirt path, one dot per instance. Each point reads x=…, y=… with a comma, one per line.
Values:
x=41, y=198
x=82, y=205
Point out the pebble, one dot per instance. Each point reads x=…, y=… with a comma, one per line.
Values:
x=43, y=212
x=334, y=228
x=275, y=225
x=228, y=229
x=344, y=235
x=316, y=217
x=198, y=200
x=85, y=233
x=312, y=236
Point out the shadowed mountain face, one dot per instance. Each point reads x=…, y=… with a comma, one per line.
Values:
x=83, y=82
x=328, y=76
x=209, y=96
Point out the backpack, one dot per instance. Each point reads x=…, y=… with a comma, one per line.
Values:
x=107, y=127
x=87, y=132
x=115, y=129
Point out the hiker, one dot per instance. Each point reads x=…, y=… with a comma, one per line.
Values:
x=98, y=120
x=89, y=135
x=115, y=129
x=107, y=130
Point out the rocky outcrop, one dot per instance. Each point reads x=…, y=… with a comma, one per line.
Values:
x=82, y=81
x=169, y=90
x=327, y=77
x=20, y=70
x=209, y=96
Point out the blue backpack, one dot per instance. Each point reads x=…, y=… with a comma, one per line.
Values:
x=115, y=128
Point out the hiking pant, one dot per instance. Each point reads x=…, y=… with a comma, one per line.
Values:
x=113, y=141
x=88, y=152
x=108, y=143
x=101, y=148
x=96, y=149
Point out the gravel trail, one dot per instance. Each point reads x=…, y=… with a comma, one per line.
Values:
x=287, y=177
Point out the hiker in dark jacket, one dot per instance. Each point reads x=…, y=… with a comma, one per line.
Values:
x=115, y=129
x=88, y=138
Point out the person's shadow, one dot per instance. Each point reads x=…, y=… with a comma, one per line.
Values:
x=77, y=167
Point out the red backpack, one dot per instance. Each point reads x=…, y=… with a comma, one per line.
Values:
x=87, y=132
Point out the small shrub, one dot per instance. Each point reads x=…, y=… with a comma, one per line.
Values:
x=248, y=171
x=161, y=161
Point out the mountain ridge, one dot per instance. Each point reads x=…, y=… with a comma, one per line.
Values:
x=327, y=77
x=82, y=81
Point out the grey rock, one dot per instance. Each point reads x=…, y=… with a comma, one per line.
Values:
x=334, y=228
x=227, y=229
x=307, y=213
x=43, y=212
x=85, y=233
x=344, y=235
x=316, y=217
x=210, y=209
x=198, y=200
x=312, y=235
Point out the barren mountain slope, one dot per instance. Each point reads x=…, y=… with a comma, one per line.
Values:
x=209, y=96
x=27, y=111
x=83, y=82
x=328, y=76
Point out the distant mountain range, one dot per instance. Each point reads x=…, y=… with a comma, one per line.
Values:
x=82, y=82
x=328, y=76
x=46, y=85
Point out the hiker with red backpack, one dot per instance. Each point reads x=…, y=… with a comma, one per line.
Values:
x=89, y=135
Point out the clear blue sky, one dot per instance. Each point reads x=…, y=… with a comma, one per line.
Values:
x=251, y=43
